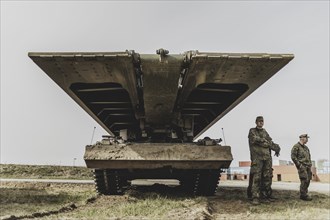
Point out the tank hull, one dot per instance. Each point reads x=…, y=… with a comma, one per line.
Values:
x=157, y=156
x=196, y=167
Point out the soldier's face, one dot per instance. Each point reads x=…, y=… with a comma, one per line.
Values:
x=304, y=140
x=260, y=123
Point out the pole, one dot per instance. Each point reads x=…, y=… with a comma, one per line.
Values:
x=223, y=133
x=93, y=135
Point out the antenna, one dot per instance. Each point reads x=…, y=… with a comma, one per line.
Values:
x=93, y=135
x=223, y=133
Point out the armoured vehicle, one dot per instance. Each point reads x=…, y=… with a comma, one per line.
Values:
x=154, y=106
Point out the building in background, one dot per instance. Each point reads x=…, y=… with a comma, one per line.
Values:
x=237, y=173
x=283, y=171
x=323, y=166
x=323, y=170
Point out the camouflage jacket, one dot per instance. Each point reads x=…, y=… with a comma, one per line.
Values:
x=260, y=144
x=300, y=155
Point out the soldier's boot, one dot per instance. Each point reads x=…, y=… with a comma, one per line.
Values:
x=306, y=198
x=265, y=200
x=249, y=193
x=249, y=189
x=255, y=201
x=271, y=198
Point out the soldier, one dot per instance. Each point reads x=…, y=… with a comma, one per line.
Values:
x=302, y=159
x=265, y=187
x=261, y=172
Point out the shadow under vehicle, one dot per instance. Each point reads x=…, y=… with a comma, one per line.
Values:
x=154, y=105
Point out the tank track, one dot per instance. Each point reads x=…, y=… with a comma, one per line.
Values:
x=109, y=182
x=196, y=182
x=201, y=182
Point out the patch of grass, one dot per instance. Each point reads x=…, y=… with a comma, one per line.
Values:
x=151, y=206
x=233, y=204
x=157, y=202
x=154, y=203
x=44, y=171
x=26, y=198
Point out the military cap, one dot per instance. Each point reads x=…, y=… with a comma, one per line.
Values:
x=259, y=118
x=304, y=136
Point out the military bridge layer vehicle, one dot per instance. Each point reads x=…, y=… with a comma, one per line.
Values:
x=154, y=105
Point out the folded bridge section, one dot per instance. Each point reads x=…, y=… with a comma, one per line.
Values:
x=160, y=96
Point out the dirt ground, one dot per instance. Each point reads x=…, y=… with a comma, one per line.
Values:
x=21, y=200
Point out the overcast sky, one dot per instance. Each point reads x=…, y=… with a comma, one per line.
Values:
x=41, y=124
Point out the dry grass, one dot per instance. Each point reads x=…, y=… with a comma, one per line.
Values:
x=26, y=198
x=231, y=203
x=157, y=202
x=44, y=171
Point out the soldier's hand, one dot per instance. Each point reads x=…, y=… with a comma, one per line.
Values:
x=264, y=140
x=277, y=154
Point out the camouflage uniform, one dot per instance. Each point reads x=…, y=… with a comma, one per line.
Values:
x=261, y=172
x=266, y=185
x=300, y=155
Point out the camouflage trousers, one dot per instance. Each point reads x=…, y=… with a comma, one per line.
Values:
x=305, y=176
x=260, y=180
